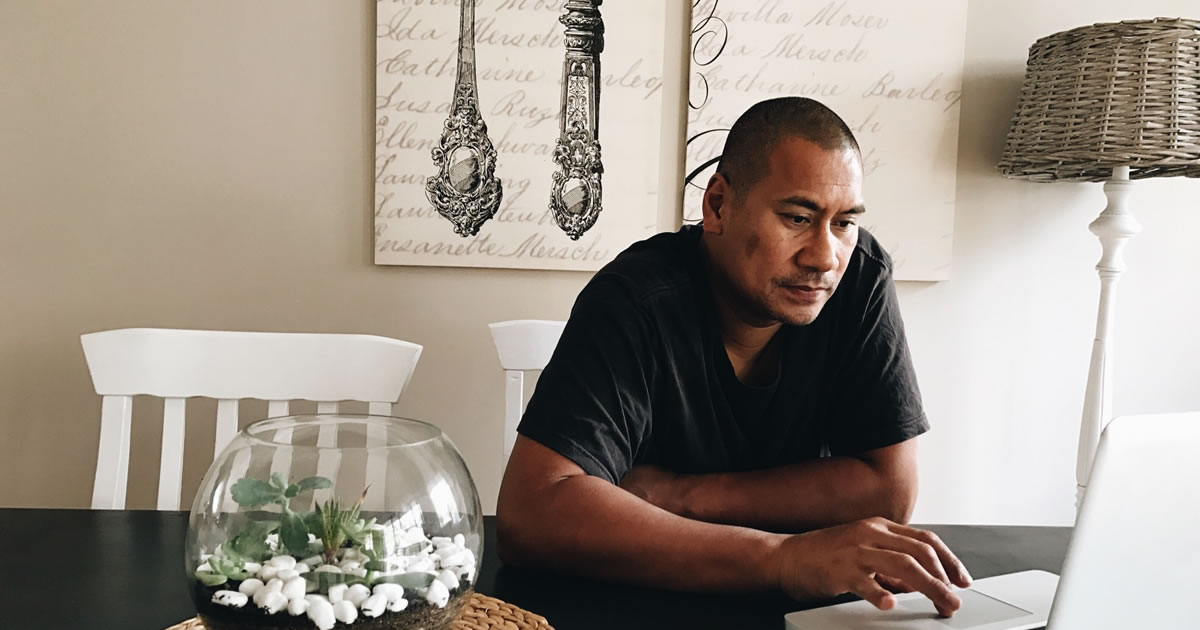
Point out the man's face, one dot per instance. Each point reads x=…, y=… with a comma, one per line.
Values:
x=783, y=245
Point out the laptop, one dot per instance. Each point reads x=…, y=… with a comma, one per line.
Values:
x=1132, y=561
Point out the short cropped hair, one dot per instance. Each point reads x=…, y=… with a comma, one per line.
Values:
x=756, y=133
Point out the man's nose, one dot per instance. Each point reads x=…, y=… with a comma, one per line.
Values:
x=820, y=252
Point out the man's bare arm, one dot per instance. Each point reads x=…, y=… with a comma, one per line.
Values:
x=798, y=497
x=553, y=515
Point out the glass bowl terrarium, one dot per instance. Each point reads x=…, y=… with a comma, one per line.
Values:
x=309, y=521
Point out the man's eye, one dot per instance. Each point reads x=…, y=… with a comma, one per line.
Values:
x=798, y=219
x=847, y=224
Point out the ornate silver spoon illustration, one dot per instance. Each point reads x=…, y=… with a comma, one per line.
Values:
x=575, y=198
x=465, y=190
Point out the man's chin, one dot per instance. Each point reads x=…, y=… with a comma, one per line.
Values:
x=798, y=316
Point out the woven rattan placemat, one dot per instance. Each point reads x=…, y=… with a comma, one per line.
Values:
x=481, y=613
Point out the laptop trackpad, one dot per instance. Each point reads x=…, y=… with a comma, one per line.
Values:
x=977, y=610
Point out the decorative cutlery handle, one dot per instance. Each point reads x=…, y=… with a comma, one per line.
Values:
x=465, y=190
x=575, y=198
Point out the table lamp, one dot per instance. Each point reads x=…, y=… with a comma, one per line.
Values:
x=1114, y=103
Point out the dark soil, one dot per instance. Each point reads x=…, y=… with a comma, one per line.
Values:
x=420, y=614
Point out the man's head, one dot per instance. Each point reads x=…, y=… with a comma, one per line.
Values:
x=781, y=211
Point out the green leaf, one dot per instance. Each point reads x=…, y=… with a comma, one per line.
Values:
x=279, y=481
x=292, y=491
x=314, y=483
x=376, y=565
x=251, y=542
x=254, y=492
x=211, y=579
x=231, y=552
x=293, y=532
x=413, y=580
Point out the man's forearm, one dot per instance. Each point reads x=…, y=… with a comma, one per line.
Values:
x=798, y=497
x=584, y=525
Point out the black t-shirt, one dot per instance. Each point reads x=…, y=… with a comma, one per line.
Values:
x=641, y=375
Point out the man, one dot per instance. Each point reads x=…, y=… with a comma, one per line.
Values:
x=733, y=380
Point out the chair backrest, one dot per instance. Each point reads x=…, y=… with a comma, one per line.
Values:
x=228, y=366
x=523, y=345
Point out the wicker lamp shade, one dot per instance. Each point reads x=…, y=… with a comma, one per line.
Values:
x=1094, y=98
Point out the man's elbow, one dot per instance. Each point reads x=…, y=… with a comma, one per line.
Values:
x=900, y=503
x=511, y=531
x=896, y=501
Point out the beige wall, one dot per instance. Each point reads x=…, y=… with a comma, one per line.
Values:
x=208, y=164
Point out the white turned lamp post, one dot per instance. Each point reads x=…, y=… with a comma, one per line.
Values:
x=1113, y=103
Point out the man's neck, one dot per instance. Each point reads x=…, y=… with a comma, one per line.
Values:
x=747, y=338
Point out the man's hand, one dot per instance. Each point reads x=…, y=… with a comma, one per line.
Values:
x=658, y=487
x=863, y=556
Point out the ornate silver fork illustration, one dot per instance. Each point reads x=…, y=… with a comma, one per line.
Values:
x=465, y=190
x=575, y=198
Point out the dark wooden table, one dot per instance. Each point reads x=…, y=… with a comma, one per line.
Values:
x=124, y=569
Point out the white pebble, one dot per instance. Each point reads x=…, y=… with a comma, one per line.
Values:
x=346, y=565
x=273, y=602
x=250, y=587
x=312, y=538
x=301, y=568
x=313, y=598
x=274, y=584
x=252, y=567
x=449, y=579
x=327, y=568
x=374, y=605
x=266, y=573
x=457, y=558
x=460, y=540
x=391, y=591
x=466, y=573
x=357, y=594
x=298, y=606
x=420, y=564
x=294, y=588
x=320, y=612
x=287, y=574
x=204, y=558
x=218, y=552
x=230, y=598
x=282, y=562
x=337, y=593
x=398, y=605
x=439, y=540
x=345, y=612
x=357, y=572
x=437, y=594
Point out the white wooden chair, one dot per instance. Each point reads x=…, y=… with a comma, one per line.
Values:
x=523, y=345
x=228, y=366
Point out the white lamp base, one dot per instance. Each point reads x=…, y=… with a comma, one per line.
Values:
x=1113, y=227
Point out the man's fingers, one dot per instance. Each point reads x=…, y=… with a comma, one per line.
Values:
x=905, y=568
x=955, y=570
x=892, y=584
x=875, y=594
x=922, y=552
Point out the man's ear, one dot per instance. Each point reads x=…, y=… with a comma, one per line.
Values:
x=716, y=201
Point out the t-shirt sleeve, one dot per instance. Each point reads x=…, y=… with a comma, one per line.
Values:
x=592, y=401
x=880, y=396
